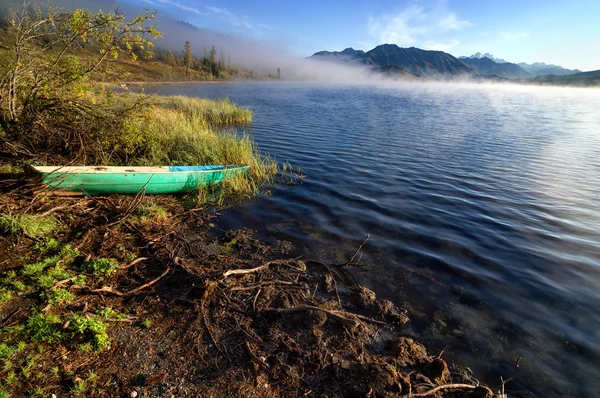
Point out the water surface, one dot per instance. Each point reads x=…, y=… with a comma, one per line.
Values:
x=483, y=205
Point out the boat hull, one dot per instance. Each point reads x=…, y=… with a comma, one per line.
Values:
x=99, y=180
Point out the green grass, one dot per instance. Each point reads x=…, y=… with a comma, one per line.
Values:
x=46, y=328
x=30, y=225
x=151, y=214
x=179, y=130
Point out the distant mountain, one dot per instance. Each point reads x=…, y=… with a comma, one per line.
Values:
x=541, y=68
x=422, y=63
x=486, y=55
x=488, y=67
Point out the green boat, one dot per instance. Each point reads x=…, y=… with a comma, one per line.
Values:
x=98, y=180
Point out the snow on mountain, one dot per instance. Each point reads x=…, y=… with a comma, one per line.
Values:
x=478, y=55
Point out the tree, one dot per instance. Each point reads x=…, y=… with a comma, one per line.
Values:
x=171, y=58
x=188, y=58
x=41, y=68
x=47, y=98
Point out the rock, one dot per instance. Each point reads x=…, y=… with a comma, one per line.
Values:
x=133, y=394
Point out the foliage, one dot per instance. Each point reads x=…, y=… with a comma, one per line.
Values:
x=100, y=266
x=45, y=328
x=60, y=296
x=31, y=225
x=94, y=326
x=44, y=81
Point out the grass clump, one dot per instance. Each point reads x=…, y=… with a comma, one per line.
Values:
x=46, y=272
x=151, y=214
x=102, y=267
x=31, y=225
x=108, y=312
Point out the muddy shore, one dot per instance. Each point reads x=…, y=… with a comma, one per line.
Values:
x=188, y=312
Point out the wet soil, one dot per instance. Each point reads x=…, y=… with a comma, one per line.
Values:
x=207, y=315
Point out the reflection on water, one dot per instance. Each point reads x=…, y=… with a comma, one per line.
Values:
x=483, y=205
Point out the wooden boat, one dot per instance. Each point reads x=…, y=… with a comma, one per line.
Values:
x=97, y=180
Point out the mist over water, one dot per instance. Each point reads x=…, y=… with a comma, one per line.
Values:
x=483, y=205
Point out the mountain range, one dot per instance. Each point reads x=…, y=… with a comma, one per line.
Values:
x=414, y=62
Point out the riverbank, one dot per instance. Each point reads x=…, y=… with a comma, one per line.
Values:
x=117, y=296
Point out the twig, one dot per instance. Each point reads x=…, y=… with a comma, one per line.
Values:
x=301, y=268
x=255, y=358
x=107, y=289
x=134, y=262
x=357, y=250
x=444, y=387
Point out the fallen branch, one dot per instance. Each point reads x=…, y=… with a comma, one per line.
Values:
x=300, y=268
x=444, y=387
x=259, y=285
x=108, y=289
x=134, y=262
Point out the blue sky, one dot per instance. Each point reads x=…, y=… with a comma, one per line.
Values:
x=562, y=32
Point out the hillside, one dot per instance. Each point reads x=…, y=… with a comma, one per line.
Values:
x=582, y=79
x=488, y=67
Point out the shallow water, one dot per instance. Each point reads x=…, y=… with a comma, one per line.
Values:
x=483, y=205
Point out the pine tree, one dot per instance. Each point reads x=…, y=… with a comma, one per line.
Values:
x=188, y=58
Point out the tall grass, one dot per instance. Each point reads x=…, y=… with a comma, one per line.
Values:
x=179, y=130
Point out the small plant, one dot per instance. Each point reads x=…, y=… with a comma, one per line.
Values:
x=100, y=266
x=94, y=326
x=45, y=328
x=108, y=312
x=60, y=296
x=7, y=351
x=11, y=378
x=4, y=394
x=5, y=295
x=146, y=323
x=37, y=392
x=29, y=364
x=31, y=225
x=46, y=244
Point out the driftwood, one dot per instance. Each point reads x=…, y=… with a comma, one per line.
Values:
x=342, y=316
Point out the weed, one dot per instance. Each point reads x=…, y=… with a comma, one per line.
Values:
x=108, y=312
x=80, y=280
x=37, y=392
x=100, y=266
x=55, y=370
x=46, y=244
x=29, y=364
x=4, y=394
x=45, y=328
x=95, y=327
x=34, y=226
x=79, y=388
x=60, y=296
x=7, y=351
x=5, y=295
x=146, y=323
x=11, y=378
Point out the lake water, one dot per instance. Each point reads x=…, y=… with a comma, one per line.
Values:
x=483, y=205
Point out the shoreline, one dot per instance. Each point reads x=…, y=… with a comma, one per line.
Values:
x=211, y=315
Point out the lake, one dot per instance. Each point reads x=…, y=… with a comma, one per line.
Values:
x=483, y=205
